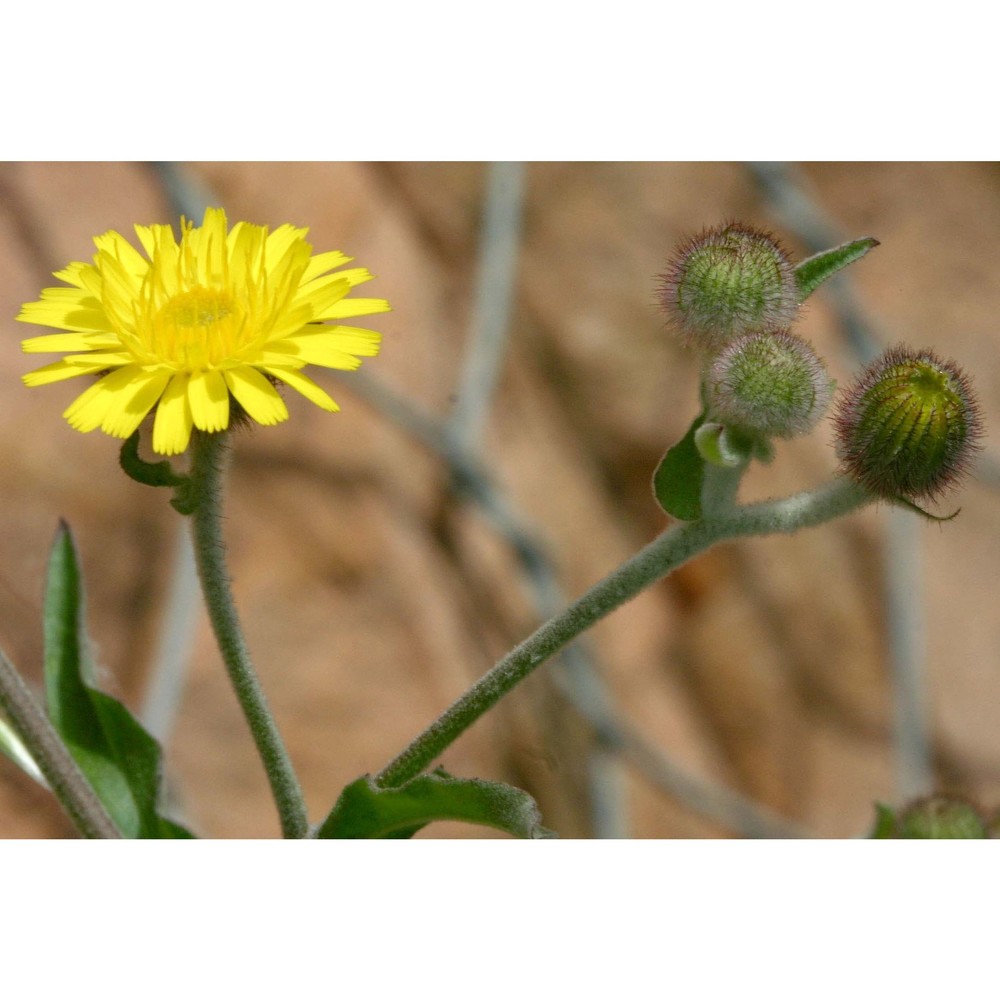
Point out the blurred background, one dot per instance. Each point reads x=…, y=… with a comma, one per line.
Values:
x=493, y=462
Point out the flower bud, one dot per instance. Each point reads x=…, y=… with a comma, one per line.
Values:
x=909, y=426
x=726, y=282
x=941, y=817
x=770, y=383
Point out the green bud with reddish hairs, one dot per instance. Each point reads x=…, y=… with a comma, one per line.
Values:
x=942, y=817
x=909, y=426
x=726, y=282
x=770, y=383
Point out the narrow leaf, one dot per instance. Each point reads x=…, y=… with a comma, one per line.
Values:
x=365, y=811
x=813, y=271
x=678, y=478
x=120, y=759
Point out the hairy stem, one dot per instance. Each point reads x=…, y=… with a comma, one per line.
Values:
x=664, y=554
x=208, y=454
x=64, y=777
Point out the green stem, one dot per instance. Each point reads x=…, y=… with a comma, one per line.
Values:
x=48, y=751
x=208, y=454
x=664, y=554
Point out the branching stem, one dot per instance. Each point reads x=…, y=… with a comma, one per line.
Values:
x=664, y=554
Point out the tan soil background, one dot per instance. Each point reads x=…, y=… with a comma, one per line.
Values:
x=372, y=597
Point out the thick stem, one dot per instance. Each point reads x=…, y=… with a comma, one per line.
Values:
x=64, y=777
x=208, y=453
x=664, y=554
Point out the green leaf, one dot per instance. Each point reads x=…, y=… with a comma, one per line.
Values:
x=885, y=823
x=120, y=759
x=678, y=478
x=813, y=271
x=366, y=811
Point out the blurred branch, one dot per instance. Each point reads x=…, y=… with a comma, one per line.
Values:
x=801, y=214
x=167, y=672
x=187, y=195
x=175, y=640
x=496, y=270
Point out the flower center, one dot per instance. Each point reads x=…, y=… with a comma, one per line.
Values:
x=198, y=307
x=197, y=328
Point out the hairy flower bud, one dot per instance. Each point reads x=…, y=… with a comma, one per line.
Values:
x=770, y=382
x=909, y=426
x=942, y=817
x=726, y=282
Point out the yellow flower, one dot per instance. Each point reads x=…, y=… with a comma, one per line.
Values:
x=219, y=314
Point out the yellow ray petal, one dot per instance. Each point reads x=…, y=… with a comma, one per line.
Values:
x=348, y=307
x=65, y=316
x=314, y=342
x=209, y=399
x=245, y=245
x=297, y=353
x=279, y=242
x=354, y=275
x=62, y=343
x=173, y=423
x=58, y=371
x=117, y=273
x=72, y=273
x=88, y=410
x=321, y=295
x=146, y=238
x=256, y=395
x=324, y=262
x=316, y=289
x=357, y=340
x=212, y=256
x=115, y=245
x=290, y=321
x=71, y=296
x=166, y=254
x=106, y=359
x=130, y=405
x=305, y=385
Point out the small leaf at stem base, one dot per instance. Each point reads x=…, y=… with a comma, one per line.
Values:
x=365, y=811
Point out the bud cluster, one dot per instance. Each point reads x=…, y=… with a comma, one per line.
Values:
x=906, y=430
x=731, y=293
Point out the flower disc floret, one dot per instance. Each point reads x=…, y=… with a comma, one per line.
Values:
x=770, y=383
x=726, y=282
x=909, y=426
x=199, y=329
